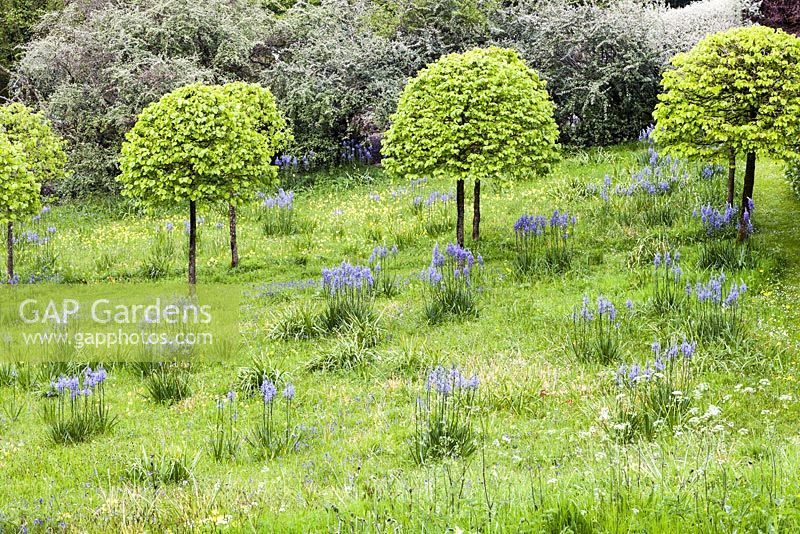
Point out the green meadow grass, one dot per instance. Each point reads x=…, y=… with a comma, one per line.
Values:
x=544, y=463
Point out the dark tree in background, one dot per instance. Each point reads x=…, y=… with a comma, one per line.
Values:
x=17, y=20
x=783, y=14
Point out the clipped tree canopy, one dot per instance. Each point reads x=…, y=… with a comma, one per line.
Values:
x=481, y=114
x=738, y=89
x=201, y=142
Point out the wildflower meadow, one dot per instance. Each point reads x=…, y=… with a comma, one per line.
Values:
x=484, y=306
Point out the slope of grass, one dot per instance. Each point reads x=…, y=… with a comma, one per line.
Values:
x=545, y=462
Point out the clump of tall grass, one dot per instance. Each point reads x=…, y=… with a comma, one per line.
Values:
x=654, y=397
x=225, y=440
x=273, y=434
x=443, y=416
x=349, y=297
x=595, y=335
x=544, y=245
x=75, y=410
x=277, y=213
x=168, y=384
x=161, y=256
x=450, y=283
x=162, y=468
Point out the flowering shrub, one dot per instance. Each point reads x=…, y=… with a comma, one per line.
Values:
x=652, y=397
x=443, y=417
x=544, y=245
x=449, y=284
x=669, y=291
x=716, y=308
x=277, y=214
x=265, y=440
x=76, y=410
x=348, y=291
x=595, y=335
x=381, y=262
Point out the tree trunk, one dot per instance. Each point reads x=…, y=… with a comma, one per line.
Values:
x=747, y=190
x=192, y=243
x=234, y=243
x=460, y=212
x=10, y=256
x=476, y=212
x=731, y=177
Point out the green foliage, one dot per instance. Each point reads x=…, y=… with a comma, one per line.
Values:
x=162, y=468
x=95, y=65
x=738, y=90
x=17, y=21
x=31, y=154
x=601, y=65
x=334, y=76
x=440, y=26
x=478, y=115
x=19, y=192
x=168, y=385
x=200, y=142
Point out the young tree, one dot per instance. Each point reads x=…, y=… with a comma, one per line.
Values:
x=736, y=91
x=478, y=115
x=200, y=143
x=41, y=153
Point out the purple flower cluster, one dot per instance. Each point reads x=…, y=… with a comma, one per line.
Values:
x=715, y=221
x=536, y=224
x=633, y=374
x=282, y=200
x=268, y=391
x=605, y=308
x=713, y=291
x=710, y=171
x=380, y=253
x=435, y=198
x=445, y=381
x=287, y=162
x=670, y=263
x=645, y=136
x=456, y=260
x=347, y=278
x=91, y=380
x=35, y=238
x=365, y=153
x=531, y=224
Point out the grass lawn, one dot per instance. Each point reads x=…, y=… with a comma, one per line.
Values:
x=559, y=445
